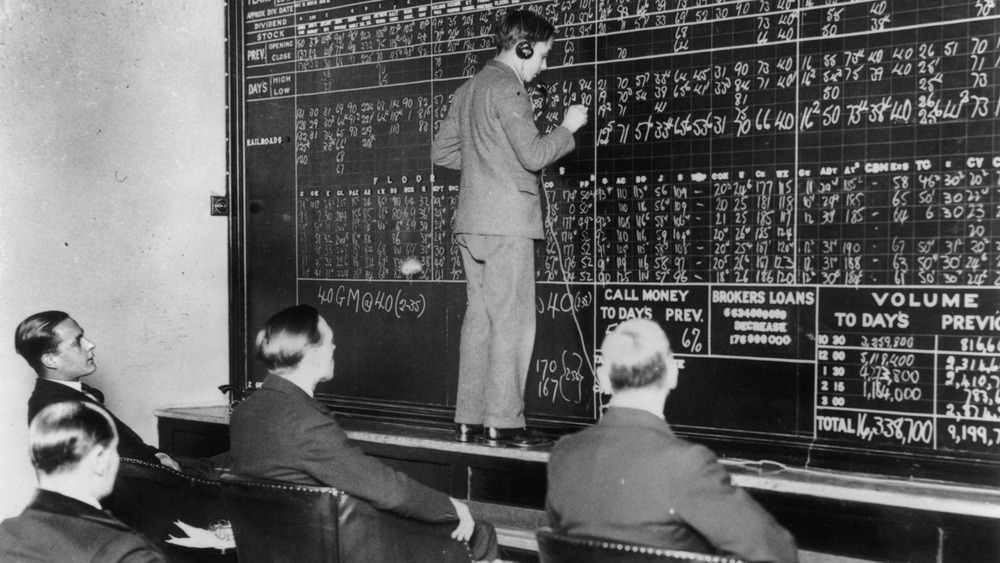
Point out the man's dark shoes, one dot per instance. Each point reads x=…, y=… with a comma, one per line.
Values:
x=468, y=432
x=515, y=437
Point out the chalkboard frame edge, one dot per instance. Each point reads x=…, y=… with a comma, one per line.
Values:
x=834, y=458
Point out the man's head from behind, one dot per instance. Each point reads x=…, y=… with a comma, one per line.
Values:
x=54, y=346
x=74, y=445
x=526, y=39
x=522, y=25
x=297, y=341
x=636, y=355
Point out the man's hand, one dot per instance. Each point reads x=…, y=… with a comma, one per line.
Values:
x=465, y=522
x=168, y=461
x=575, y=118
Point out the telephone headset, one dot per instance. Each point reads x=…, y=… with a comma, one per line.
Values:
x=525, y=46
x=524, y=50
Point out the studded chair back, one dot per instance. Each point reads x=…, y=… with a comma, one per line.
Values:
x=151, y=497
x=554, y=547
x=279, y=522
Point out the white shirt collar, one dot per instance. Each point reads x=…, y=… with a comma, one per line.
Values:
x=82, y=497
x=78, y=386
x=72, y=384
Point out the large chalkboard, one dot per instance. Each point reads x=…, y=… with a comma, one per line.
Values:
x=804, y=193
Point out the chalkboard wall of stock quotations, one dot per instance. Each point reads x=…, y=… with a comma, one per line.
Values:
x=805, y=194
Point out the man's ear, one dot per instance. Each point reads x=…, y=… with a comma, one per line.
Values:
x=102, y=459
x=604, y=379
x=310, y=355
x=50, y=361
x=673, y=370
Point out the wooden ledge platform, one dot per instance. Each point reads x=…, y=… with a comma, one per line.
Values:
x=836, y=517
x=939, y=497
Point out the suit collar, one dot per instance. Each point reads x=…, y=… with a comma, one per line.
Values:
x=81, y=387
x=279, y=384
x=503, y=67
x=86, y=499
x=55, y=503
x=75, y=385
x=56, y=388
x=623, y=416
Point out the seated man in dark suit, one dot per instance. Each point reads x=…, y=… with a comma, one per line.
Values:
x=74, y=450
x=629, y=478
x=53, y=344
x=283, y=433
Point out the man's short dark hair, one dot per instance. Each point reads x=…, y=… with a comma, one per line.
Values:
x=522, y=25
x=36, y=336
x=63, y=433
x=281, y=344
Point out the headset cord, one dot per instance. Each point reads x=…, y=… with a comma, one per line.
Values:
x=559, y=257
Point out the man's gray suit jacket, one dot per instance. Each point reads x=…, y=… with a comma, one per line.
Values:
x=631, y=479
x=283, y=434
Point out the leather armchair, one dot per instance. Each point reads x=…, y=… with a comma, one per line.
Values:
x=150, y=498
x=279, y=522
x=554, y=547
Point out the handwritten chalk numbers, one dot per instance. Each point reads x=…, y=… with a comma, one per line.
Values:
x=985, y=8
x=831, y=26
x=980, y=344
x=877, y=17
x=900, y=430
x=561, y=379
x=972, y=433
x=691, y=340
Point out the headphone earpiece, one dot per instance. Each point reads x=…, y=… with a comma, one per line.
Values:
x=524, y=50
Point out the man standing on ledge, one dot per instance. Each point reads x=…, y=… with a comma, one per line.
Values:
x=491, y=136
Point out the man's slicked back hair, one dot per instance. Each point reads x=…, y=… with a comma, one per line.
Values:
x=36, y=336
x=281, y=344
x=63, y=433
